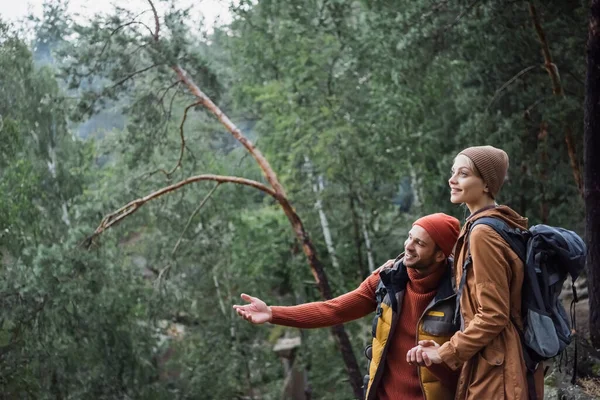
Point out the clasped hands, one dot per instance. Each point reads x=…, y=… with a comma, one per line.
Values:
x=424, y=354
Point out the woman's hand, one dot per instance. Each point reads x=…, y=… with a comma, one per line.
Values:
x=425, y=354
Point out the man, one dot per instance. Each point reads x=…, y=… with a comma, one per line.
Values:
x=414, y=300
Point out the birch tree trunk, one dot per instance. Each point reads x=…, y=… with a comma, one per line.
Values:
x=318, y=187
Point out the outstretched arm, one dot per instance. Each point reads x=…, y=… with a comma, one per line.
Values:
x=347, y=307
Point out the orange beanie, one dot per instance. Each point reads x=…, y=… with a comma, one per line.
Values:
x=442, y=228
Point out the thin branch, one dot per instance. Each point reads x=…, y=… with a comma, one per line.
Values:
x=160, y=274
x=138, y=48
x=575, y=77
x=462, y=14
x=161, y=98
x=182, y=139
x=133, y=74
x=531, y=107
x=108, y=40
x=192, y=217
x=508, y=83
x=131, y=207
x=156, y=22
x=168, y=113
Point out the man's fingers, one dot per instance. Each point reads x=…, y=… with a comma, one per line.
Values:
x=412, y=356
x=246, y=297
x=427, y=343
x=409, y=356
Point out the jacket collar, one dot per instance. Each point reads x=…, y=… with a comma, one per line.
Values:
x=446, y=287
x=397, y=278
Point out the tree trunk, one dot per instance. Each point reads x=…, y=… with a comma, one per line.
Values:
x=370, y=260
x=324, y=223
x=558, y=90
x=592, y=168
x=317, y=186
x=362, y=270
x=307, y=246
x=415, y=183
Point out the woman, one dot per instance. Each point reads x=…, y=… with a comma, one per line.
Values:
x=488, y=347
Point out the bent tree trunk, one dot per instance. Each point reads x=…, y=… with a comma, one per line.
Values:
x=275, y=190
x=592, y=168
x=307, y=246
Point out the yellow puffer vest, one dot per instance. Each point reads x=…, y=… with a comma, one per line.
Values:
x=436, y=323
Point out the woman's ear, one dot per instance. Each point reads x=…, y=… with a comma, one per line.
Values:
x=486, y=189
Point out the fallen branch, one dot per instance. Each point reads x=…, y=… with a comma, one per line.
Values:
x=276, y=191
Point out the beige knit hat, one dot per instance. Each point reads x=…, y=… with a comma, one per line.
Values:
x=492, y=164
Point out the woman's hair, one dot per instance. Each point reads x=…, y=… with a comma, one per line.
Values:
x=471, y=165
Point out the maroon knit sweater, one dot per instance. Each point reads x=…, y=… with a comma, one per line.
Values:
x=401, y=380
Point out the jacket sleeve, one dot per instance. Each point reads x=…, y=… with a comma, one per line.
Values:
x=445, y=375
x=491, y=294
x=347, y=307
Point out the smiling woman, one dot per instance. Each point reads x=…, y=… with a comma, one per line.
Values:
x=467, y=186
x=487, y=350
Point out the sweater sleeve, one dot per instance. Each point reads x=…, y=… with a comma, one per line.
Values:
x=491, y=273
x=345, y=308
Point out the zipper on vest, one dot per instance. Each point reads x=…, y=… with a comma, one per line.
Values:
x=429, y=307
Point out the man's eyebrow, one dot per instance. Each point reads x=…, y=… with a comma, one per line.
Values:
x=420, y=240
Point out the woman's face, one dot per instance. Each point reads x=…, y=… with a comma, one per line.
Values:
x=466, y=186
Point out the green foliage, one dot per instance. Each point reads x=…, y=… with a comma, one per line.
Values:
x=373, y=99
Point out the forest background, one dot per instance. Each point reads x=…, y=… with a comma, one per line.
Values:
x=357, y=108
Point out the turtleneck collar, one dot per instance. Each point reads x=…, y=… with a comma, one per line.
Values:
x=425, y=284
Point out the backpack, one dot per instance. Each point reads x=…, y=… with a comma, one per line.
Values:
x=549, y=255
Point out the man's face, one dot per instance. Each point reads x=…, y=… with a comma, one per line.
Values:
x=420, y=250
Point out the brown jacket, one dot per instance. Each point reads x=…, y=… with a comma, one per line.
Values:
x=489, y=349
